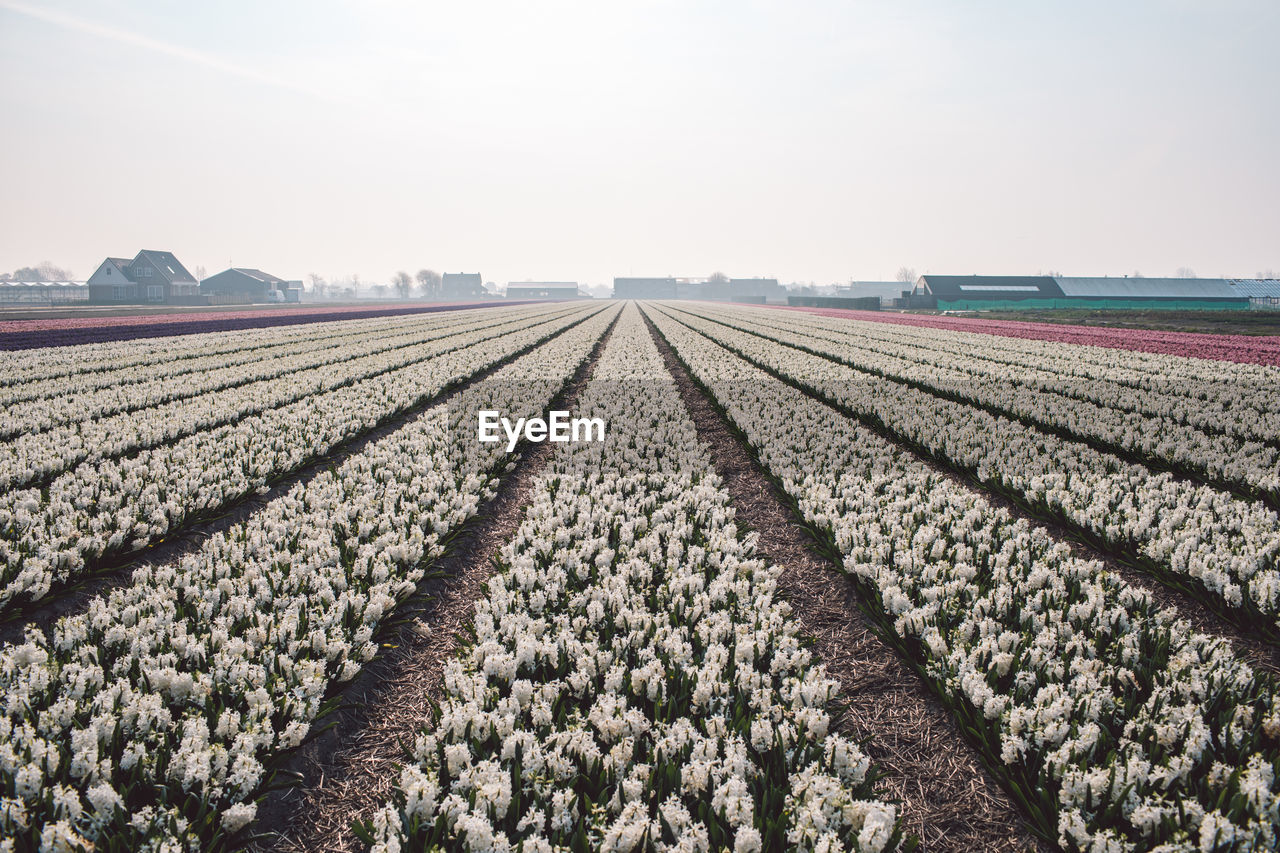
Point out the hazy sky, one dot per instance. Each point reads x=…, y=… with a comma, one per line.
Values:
x=810, y=141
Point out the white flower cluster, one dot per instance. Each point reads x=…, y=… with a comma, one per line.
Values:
x=1118, y=727
x=150, y=718
x=633, y=682
x=1230, y=547
x=1205, y=451
x=1216, y=396
x=41, y=405
x=123, y=503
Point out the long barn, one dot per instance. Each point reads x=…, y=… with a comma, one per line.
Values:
x=1002, y=293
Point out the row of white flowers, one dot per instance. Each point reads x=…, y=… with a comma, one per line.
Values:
x=1117, y=726
x=1240, y=400
x=21, y=367
x=85, y=367
x=1213, y=456
x=33, y=458
x=1199, y=378
x=150, y=720
x=70, y=399
x=633, y=681
x=1230, y=547
x=48, y=536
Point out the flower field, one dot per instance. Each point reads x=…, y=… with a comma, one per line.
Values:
x=208, y=539
x=1244, y=349
x=36, y=333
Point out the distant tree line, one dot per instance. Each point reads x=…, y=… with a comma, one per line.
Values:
x=425, y=285
x=43, y=271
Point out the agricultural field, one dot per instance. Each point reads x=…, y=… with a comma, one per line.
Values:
x=822, y=580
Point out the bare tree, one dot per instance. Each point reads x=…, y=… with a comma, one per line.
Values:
x=1137, y=274
x=1267, y=273
x=380, y=290
x=43, y=271
x=53, y=273
x=1185, y=272
x=402, y=283
x=201, y=274
x=318, y=285
x=906, y=275
x=717, y=277
x=429, y=282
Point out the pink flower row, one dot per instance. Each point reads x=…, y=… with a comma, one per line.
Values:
x=1245, y=349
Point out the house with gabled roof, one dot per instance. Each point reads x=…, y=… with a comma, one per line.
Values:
x=151, y=278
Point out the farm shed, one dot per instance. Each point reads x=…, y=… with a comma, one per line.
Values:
x=741, y=289
x=888, y=292
x=542, y=290
x=243, y=284
x=644, y=288
x=1003, y=293
x=461, y=285
x=152, y=277
x=1262, y=293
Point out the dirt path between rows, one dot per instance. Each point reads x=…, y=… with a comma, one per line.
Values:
x=948, y=799
x=349, y=771
x=118, y=571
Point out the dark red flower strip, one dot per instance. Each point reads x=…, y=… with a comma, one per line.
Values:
x=1244, y=349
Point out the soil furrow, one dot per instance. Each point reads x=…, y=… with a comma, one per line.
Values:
x=349, y=770
x=948, y=799
x=119, y=571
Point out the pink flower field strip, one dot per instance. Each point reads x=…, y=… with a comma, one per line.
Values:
x=1245, y=349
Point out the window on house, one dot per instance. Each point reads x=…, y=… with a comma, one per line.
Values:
x=155, y=293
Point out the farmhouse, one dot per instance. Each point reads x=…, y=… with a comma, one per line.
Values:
x=542, y=290
x=150, y=278
x=242, y=284
x=1003, y=293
